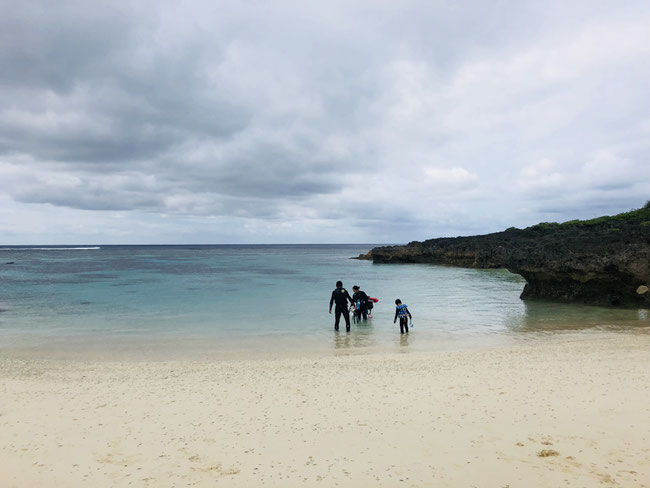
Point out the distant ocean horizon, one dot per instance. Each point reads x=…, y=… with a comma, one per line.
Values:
x=252, y=299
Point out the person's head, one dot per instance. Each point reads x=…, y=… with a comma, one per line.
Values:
x=398, y=302
x=355, y=288
x=339, y=284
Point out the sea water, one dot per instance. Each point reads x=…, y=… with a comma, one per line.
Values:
x=263, y=298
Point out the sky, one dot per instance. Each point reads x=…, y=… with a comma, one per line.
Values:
x=373, y=121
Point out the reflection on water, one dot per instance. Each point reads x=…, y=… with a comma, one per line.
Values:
x=365, y=335
x=547, y=317
x=361, y=335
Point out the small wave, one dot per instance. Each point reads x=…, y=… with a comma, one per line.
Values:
x=49, y=248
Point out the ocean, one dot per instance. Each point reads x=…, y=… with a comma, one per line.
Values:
x=247, y=300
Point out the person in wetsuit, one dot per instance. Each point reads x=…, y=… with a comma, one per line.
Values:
x=360, y=300
x=340, y=296
x=402, y=312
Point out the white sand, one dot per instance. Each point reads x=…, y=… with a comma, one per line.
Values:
x=448, y=419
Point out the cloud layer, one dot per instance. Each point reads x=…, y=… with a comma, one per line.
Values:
x=335, y=122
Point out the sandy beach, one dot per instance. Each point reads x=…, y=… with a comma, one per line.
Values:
x=568, y=410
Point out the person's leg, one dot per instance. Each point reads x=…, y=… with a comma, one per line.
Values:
x=401, y=325
x=406, y=325
x=346, y=316
x=337, y=319
x=364, y=313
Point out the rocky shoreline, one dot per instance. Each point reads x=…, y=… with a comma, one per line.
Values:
x=603, y=261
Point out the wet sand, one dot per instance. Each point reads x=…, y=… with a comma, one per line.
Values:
x=567, y=410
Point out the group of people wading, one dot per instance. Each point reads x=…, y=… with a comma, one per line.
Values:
x=361, y=304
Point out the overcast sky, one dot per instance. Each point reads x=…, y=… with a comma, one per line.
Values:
x=326, y=121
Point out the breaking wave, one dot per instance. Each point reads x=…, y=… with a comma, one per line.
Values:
x=91, y=248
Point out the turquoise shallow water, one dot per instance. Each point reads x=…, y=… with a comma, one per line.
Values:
x=261, y=298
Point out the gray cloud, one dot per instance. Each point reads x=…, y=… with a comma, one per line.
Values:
x=420, y=118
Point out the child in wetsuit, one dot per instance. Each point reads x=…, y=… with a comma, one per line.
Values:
x=402, y=311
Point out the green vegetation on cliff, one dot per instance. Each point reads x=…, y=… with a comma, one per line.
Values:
x=641, y=215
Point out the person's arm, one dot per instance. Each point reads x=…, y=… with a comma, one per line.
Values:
x=409, y=313
x=395, y=319
x=331, y=302
x=349, y=297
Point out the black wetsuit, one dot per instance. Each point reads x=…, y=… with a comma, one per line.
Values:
x=340, y=296
x=362, y=311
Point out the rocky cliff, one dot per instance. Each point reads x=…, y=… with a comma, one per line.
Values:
x=603, y=261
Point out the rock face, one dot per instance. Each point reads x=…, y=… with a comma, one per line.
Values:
x=604, y=261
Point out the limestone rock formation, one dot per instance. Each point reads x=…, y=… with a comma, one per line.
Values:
x=603, y=261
